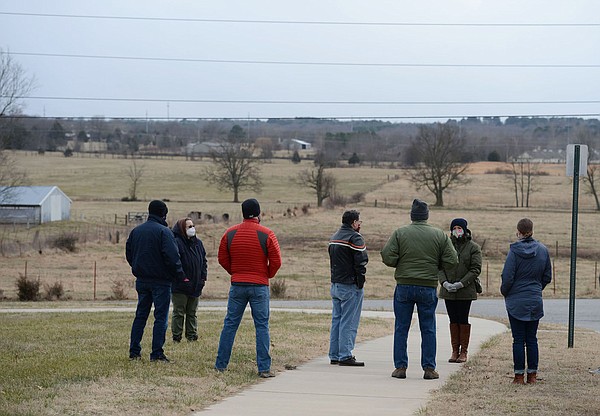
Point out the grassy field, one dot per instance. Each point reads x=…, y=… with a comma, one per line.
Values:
x=77, y=363
x=483, y=385
x=96, y=184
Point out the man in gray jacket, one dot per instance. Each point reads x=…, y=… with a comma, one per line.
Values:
x=417, y=251
x=348, y=259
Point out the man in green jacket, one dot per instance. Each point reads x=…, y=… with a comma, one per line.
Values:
x=417, y=251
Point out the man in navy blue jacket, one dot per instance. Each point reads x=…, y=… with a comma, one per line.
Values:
x=152, y=253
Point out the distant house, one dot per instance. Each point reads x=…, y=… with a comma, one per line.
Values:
x=33, y=205
x=202, y=149
x=539, y=155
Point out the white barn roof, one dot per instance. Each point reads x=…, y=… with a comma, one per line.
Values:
x=29, y=195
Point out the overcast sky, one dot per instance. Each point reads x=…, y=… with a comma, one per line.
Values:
x=310, y=58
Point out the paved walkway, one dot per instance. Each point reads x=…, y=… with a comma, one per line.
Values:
x=318, y=388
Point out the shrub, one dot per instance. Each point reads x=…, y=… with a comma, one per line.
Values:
x=336, y=200
x=27, y=290
x=66, y=242
x=278, y=288
x=120, y=289
x=55, y=291
x=357, y=197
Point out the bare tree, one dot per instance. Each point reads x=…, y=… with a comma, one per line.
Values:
x=10, y=177
x=523, y=173
x=593, y=171
x=439, y=149
x=323, y=183
x=14, y=85
x=234, y=168
x=135, y=173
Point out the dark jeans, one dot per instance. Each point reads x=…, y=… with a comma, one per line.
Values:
x=524, y=335
x=405, y=299
x=458, y=311
x=148, y=294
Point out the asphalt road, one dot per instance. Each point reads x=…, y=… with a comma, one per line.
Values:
x=587, y=311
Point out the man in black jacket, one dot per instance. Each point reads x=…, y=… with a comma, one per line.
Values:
x=348, y=260
x=154, y=259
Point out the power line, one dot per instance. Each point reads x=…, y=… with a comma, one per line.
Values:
x=332, y=118
x=302, y=22
x=372, y=64
x=182, y=100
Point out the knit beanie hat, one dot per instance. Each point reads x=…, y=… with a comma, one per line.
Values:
x=158, y=208
x=461, y=222
x=419, y=210
x=250, y=208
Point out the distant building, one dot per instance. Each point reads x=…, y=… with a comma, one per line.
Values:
x=300, y=145
x=33, y=205
x=539, y=155
x=202, y=149
x=295, y=144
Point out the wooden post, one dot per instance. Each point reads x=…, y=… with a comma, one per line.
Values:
x=554, y=277
x=556, y=248
x=487, y=276
x=596, y=277
x=94, y=280
x=25, y=269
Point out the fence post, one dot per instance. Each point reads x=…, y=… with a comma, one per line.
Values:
x=94, y=280
x=554, y=277
x=487, y=276
x=25, y=269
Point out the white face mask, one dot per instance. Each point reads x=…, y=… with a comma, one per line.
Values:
x=458, y=232
x=191, y=232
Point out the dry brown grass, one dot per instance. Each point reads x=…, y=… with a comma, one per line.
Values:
x=97, y=184
x=483, y=386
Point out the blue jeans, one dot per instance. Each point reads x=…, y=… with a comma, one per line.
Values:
x=150, y=293
x=405, y=298
x=524, y=335
x=239, y=297
x=345, y=316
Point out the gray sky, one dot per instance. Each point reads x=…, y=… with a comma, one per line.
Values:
x=409, y=59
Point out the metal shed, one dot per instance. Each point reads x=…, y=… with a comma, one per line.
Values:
x=33, y=205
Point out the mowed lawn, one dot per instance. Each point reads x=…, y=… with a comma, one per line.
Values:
x=77, y=363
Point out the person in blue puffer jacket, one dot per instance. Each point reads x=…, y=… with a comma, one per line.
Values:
x=186, y=293
x=527, y=271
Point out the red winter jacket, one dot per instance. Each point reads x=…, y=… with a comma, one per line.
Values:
x=250, y=253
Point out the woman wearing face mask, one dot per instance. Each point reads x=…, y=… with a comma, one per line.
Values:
x=185, y=294
x=459, y=287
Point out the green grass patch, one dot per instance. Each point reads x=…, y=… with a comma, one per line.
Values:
x=77, y=363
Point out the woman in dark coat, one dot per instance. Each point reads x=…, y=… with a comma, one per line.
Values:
x=460, y=287
x=527, y=271
x=185, y=293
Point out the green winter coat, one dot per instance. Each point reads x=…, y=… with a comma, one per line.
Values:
x=418, y=251
x=466, y=271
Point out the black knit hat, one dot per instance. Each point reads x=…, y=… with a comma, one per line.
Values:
x=419, y=210
x=250, y=208
x=158, y=208
x=461, y=222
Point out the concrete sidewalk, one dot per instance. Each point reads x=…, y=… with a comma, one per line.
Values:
x=318, y=388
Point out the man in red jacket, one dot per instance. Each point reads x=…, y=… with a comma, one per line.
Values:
x=250, y=253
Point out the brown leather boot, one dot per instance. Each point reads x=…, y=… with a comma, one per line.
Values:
x=519, y=379
x=531, y=378
x=465, y=335
x=454, y=341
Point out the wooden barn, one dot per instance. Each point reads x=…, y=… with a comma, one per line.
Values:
x=33, y=205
